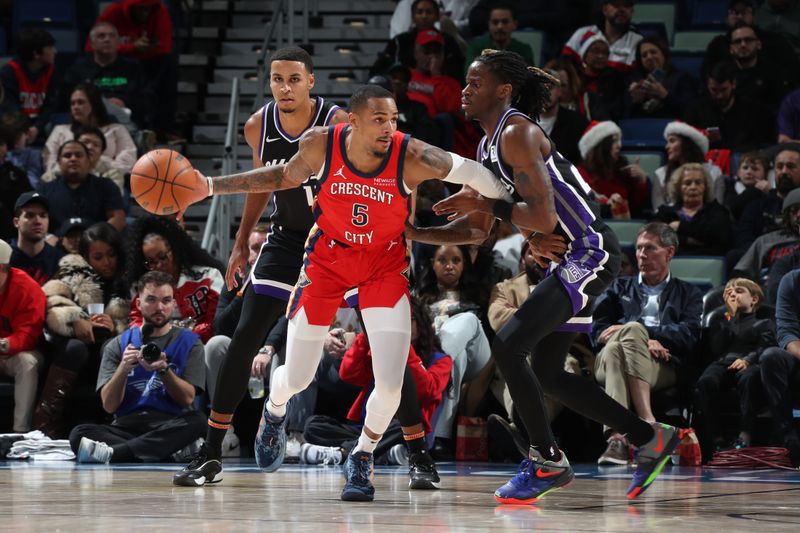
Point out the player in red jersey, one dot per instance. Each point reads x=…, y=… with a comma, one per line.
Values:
x=368, y=173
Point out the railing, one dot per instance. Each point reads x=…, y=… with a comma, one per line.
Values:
x=217, y=233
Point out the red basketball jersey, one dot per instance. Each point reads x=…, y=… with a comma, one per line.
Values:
x=360, y=209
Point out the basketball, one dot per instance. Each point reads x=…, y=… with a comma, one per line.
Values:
x=162, y=182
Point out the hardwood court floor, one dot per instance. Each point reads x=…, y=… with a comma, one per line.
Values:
x=131, y=498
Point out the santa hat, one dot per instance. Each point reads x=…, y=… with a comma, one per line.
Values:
x=697, y=136
x=587, y=39
x=594, y=135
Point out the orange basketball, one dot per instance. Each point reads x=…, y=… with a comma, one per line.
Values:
x=162, y=182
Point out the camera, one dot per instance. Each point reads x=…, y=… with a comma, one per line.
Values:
x=150, y=352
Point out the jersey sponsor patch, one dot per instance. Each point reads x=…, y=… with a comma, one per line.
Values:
x=572, y=272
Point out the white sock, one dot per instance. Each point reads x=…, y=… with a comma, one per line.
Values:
x=365, y=444
x=277, y=411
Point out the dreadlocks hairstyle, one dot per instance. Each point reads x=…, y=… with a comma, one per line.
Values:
x=530, y=85
x=185, y=252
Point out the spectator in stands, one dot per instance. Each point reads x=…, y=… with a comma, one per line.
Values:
x=685, y=144
x=69, y=234
x=735, y=344
x=101, y=165
x=28, y=81
x=151, y=400
x=145, y=31
x=616, y=31
x=733, y=122
x=401, y=49
x=502, y=23
x=21, y=321
x=570, y=94
x=118, y=78
x=600, y=80
x=412, y=115
x=780, y=366
x=760, y=77
x=329, y=441
x=766, y=215
x=647, y=327
x=656, y=89
x=158, y=243
x=775, y=45
x=13, y=182
x=28, y=159
x=455, y=11
x=87, y=110
x=789, y=118
x=622, y=188
x=76, y=193
x=783, y=18
x=749, y=185
x=704, y=227
x=563, y=125
x=429, y=85
x=453, y=298
x=77, y=330
x=32, y=254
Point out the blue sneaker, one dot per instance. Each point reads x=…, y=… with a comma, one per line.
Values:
x=358, y=472
x=270, y=445
x=535, y=478
x=652, y=456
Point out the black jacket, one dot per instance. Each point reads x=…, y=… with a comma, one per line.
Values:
x=567, y=131
x=745, y=336
x=679, y=310
x=709, y=232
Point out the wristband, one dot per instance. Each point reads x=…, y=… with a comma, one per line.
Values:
x=210, y=183
x=502, y=210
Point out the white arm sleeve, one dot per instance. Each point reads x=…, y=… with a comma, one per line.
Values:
x=468, y=172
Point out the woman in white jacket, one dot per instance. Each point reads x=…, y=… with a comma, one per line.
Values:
x=87, y=109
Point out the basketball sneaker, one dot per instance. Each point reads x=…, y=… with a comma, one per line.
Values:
x=270, y=445
x=535, y=478
x=422, y=472
x=652, y=456
x=93, y=451
x=358, y=471
x=617, y=452
x=201, y=469
x=312, y=454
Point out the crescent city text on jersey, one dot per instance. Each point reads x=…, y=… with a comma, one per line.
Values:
x=362, y=189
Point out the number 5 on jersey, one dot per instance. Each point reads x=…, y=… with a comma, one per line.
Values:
x=360, y=216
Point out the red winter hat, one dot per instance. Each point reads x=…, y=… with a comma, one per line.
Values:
x=696, y=135
x=429, y=36
x=595, y=133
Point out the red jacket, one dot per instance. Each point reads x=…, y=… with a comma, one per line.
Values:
x=635, y=191
x=440, y=94
x=22, y=311
x=431, y=382
x=158, y=27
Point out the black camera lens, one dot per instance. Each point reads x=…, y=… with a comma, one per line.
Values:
x=150, y=352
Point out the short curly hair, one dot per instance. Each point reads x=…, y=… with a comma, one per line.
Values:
x=676, y=179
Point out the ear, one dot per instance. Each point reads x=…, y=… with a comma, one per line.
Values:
x=353, y=118
x=670, y=253
x=504, y=91
x=15, y=220
x=311, y=81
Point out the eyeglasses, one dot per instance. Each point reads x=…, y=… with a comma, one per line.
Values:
x=159, y=260
x=743, y=40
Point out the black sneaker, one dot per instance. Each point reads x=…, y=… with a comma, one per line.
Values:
x=422, y=471
x=358, y=471
x=199, y=471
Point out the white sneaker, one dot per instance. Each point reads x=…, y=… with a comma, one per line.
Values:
x=92, y=451
x=311, y=454
x=230, y=444
x=397, y=455
x=294, y=444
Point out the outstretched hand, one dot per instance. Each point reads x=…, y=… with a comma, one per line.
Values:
x=237, y=263
x=198, y=194
x=464, y=202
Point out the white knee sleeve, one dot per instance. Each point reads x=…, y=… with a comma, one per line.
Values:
x=303, y=352
x=389, y=331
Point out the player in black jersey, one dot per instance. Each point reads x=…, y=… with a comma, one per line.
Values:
x=273, y=134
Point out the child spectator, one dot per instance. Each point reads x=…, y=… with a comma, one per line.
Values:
x=737, y=343
x=749, y=184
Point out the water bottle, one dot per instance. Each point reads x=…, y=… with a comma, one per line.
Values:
x=256, y=388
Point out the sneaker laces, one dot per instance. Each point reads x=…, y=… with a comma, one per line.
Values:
x=361, y=468
x=524, y=471
x=328, y=456
x=198, y=458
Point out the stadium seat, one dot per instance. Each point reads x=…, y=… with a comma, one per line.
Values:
x=649, y=161
x=643, y=133
x=653, y=28
x=625, y=230
x=535, y=39
x=691, y=62
x=693, y=41
x=663, y=13
x=704, y=271
x=44, y=13
x=709, y=13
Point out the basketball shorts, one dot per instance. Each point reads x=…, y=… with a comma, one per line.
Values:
x=278, y=264
x=332, y=269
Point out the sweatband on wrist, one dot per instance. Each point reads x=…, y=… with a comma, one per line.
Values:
x=502, y=210
x=210, y=182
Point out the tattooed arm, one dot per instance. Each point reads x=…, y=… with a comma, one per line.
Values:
x=308, y=160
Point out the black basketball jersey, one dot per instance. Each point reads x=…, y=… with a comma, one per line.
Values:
x=574, y=208
x=291, y=208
